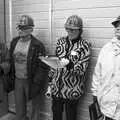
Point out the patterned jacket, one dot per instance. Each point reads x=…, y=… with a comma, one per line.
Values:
x=68, y=82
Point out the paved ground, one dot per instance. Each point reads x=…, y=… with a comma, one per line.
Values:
x=44, y=111
x=11, y=116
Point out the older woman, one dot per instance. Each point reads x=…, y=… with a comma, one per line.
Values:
x=67, y=83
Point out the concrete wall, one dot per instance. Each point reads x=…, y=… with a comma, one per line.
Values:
x=50, y=17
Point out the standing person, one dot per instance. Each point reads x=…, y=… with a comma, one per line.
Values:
x=26, y=69
x=106, y=77
x=67, y=83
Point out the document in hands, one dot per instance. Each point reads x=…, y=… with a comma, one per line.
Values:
x=54, y=62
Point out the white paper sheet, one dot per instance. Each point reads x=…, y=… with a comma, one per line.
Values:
x=53, y=62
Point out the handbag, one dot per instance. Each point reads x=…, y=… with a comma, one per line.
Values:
x=95, y=112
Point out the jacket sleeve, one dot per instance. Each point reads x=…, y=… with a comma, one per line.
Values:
x=60, y=52
x=41, y=71
x=82, y=60
x=50, y=76
x=96, y=76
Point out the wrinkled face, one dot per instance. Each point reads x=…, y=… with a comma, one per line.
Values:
x=23, y=31
x=117, y=30
x=72, y=33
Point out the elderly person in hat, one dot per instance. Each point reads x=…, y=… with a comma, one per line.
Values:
x=106, y=77
x=67, y=83
x=27, y=72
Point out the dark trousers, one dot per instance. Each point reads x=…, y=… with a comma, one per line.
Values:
x=21, y=97
x=58, y=106
x=36, y=103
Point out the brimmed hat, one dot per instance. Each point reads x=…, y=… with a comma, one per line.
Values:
x=25, y=20
x=116, y=21
x=74, y=22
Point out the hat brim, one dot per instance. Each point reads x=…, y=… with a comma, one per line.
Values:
x=71, y=27
x=24, y=27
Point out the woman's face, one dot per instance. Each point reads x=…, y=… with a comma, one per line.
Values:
x=22, y=31
x=117, y=31
x=73, y=33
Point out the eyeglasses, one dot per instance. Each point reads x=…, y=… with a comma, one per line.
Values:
x=19, y=27
x=71, y=30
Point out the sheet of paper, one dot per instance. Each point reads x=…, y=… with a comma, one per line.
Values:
x=53, y=62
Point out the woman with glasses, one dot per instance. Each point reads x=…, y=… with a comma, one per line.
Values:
x=67, y=84
x=26, y=69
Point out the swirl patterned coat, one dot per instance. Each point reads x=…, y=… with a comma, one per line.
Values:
x=70, y=85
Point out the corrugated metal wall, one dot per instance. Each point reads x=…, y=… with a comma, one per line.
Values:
x=97, y=16
x=38, y=10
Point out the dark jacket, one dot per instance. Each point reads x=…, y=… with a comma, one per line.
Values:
x=37, y=70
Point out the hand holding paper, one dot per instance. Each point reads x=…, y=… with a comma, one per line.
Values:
x=64, y=62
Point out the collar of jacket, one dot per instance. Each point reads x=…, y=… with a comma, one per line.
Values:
x=116, y=46
x=25, y=39
x=73, y=41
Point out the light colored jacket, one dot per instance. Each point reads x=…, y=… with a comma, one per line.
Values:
x=106, y=79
